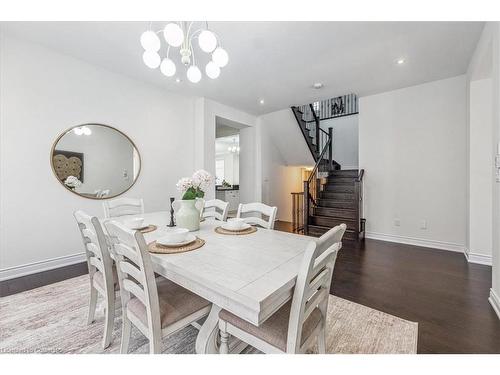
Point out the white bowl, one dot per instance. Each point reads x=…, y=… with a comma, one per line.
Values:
x=134, y=223
x=235, y=224
x=174, y=235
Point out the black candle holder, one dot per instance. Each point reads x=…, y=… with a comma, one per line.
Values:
x=172, y=223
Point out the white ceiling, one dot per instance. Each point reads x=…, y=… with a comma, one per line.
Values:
x=279, y=61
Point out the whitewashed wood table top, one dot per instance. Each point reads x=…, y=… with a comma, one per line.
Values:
x=250, y=275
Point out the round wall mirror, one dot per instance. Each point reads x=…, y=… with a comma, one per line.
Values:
x=95, y=161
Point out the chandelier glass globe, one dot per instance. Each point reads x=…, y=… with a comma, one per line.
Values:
x=207, y=41
x=150, y=41
x=178, y=49
x=212, y=70
x=151, y=59
x=220, y=57
x=167, y=67
x=173, y=34
x=194, y=74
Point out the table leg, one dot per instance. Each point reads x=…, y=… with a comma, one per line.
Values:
x=207, y=341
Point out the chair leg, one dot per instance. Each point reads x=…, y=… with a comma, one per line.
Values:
x=224, y=339
x=126, y=331
x=155, y=345
x=109, y=322
x=322, y=340
x=92, y=304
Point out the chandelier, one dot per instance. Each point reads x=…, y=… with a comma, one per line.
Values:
x=235, y=148
x=181, y=35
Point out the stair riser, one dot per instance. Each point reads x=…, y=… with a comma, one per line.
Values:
x=339, y=188
x=341, y=173
x=336, y=212
x=336, y=195
x=317, y=232
x=336, y=204
x=340, y=181
x=332, y=222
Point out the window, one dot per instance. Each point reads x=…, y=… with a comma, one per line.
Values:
x=219, y=171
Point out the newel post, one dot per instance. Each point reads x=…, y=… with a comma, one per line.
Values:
x=306, y=207
x=330, y=149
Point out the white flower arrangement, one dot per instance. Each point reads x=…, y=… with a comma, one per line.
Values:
x=195, y=186
x=72, y=182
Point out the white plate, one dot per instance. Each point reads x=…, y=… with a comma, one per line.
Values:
x=243, y=227
x=166, y=242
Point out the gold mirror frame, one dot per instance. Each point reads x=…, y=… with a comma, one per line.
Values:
x=97, y=124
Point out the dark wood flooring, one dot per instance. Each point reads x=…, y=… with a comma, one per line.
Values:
x=447, y=296
x=439, y=289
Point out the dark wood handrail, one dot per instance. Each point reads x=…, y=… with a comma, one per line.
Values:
x=320, y=158
x=316, y=118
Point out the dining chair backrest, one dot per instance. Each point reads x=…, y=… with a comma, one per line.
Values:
x=199, y=204
x=123, y=206
x=96, y=247
x=312, y=287
x=261, y=209
x=135, y=272
x=212, y=208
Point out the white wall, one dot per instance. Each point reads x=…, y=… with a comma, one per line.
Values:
x=412, y=146
x=345, y=140
x=42, y=93
x=486, y=62
x=284, y=151
x=480, y=172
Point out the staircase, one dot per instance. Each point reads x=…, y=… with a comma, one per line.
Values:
x=338, y=202
x=331, y=196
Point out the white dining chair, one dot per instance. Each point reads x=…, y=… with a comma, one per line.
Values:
x=123, y=206
x=259, y=208
x=212, y=208
x=157, y=307
x=300, y=322
x=102, y=273
x=199, y=204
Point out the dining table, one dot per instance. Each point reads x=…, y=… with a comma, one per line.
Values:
x=249, y=275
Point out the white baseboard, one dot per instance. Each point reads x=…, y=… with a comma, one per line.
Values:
x=441, y=245
x=44, y=265
x=477, y=258
x=495, y=302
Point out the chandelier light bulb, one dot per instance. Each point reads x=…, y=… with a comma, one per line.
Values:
x=151, y=59
x=167, y=67
x=220, y=57
x=212, y=70
x=78, y=131
x=150, y=41
x=207, y=41
x=194, y=74
x=173, y=34
x=86, y=130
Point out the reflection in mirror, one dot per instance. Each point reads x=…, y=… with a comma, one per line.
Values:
x=95, y=161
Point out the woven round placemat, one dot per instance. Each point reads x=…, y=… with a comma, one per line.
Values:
x=221, y=230
x=149, y=228
x=153, y=247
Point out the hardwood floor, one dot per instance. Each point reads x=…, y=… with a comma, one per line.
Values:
x=447, y=296
x=440, y=290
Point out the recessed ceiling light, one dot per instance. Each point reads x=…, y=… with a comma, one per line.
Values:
x=261, y=101
x=317, y=85
x=400, y=61
x=177, y=80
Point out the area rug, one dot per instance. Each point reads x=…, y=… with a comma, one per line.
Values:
x=53, y=319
